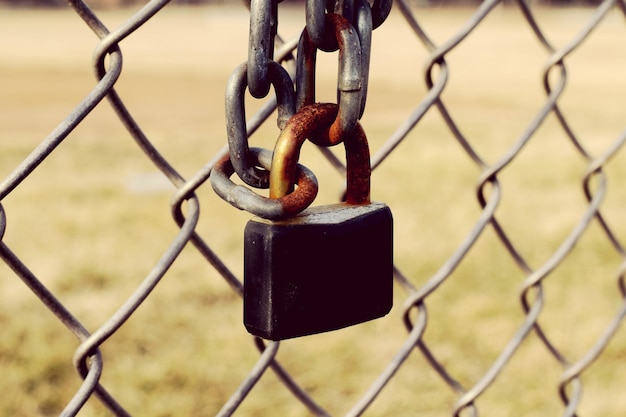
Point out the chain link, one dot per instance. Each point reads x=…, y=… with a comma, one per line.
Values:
x=270, y=208
x=348, y=29
x=314, y=122
x=263, y=30
x=236, y=118
x=350, y=75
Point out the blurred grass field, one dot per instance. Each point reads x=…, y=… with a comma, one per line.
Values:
x=94, y=218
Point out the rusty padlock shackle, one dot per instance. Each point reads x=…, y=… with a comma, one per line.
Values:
x=241, y=157
x=349, y=84
x=314, y=122
x=269, y=208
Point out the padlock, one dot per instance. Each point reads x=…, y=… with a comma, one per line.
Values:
x=328, y=267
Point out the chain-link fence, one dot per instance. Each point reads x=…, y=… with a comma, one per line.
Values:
x=496, y=138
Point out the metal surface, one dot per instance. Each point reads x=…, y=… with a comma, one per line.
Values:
x=298, y=272
x=418, y=351
x=236, y=130
x=269, y=208
x=314, y=122
x=263, y=22
x=351, y=75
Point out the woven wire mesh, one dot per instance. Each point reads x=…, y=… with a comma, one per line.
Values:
x=509, y=257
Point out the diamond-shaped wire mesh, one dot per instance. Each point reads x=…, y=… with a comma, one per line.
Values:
x=496, y=136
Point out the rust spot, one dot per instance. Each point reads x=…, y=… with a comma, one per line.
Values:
x=307, y=191
x=315, y=122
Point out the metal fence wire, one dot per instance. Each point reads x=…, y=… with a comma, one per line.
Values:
x=559, y=305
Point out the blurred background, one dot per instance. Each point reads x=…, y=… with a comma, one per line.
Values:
x=117, y=3
x=94, y=218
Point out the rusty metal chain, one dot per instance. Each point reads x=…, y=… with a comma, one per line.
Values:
x=332, y=25
x=349, y=29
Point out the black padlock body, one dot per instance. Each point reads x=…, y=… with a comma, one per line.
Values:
x=327, y=268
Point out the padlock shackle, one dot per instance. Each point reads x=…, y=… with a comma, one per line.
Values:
x=314, y=122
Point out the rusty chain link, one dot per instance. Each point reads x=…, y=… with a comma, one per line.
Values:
x=314, y=122
x=349, y=84
x=349, y=29
x=347, y=25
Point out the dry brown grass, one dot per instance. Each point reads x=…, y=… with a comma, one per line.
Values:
x=91, y=239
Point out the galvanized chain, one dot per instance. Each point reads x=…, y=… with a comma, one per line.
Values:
x=326, y=32
x=350, y=79
x=257, y=75
x=236, y=117
x=363, y=18
x=345, y=25
x=348, y=28
x=263, y=30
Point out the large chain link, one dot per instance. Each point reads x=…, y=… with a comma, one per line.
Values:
x=331, y=25
x=263, y=30
x=349, y=83
x=236, y=117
